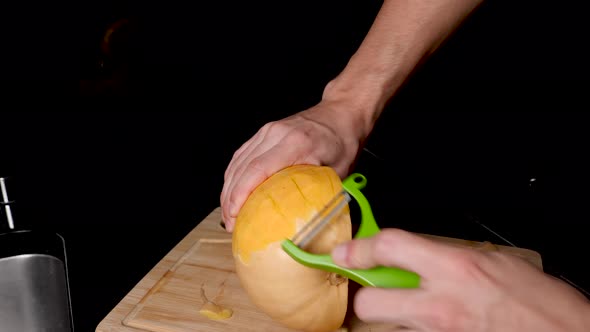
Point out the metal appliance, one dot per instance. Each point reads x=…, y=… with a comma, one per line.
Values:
x=34, y=289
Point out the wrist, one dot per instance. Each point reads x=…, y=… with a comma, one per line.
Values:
x=365, y=90
x=586, y=316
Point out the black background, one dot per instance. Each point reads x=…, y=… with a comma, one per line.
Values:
x=125, y=172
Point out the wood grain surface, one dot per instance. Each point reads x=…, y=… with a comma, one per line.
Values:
x=168, y=298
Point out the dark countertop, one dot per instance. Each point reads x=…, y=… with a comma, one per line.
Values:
x=124, y=179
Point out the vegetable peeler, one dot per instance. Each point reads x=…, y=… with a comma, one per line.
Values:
x=380, y=276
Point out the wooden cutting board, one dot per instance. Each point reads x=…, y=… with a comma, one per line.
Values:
x=168, y=298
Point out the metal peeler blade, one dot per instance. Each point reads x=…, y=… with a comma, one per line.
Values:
x=321, y=219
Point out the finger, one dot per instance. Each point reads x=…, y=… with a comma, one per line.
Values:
x=253, y=148
x=227, y=180
x=237, y=155
x=393, y=247
x=268, y=138
x=247, y=148
x=229, y=176
x=255, y=181
x=396, y=306
x=238, y=176
x=236, y=160
x=229, y=224
x=257, y=171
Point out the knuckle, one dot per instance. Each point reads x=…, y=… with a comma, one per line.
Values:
x=257, y=164
x=302, y=138
x=445, y=317
x=383, y=245
x=385, y=241
x=241, y=148
x=391, y=234
x=240, y=188
x=462, y=259
x=267, y=126
x=467, y=264
x=234, y=198
x=354, y=257
x=238, y=151
x=274, y=127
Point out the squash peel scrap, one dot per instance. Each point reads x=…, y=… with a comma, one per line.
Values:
x=212, y=310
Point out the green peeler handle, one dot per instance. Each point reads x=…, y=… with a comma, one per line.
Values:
x=353, y=185
x=380, y=276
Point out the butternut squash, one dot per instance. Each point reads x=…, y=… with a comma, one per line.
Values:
x=294, y=295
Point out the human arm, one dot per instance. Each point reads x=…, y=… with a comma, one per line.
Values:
x=404, y=33
x=462, y=289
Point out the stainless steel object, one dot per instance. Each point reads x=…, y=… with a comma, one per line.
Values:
x=6, y=203
x=34, y=291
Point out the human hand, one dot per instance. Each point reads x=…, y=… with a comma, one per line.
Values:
x=461, y=289
x=328, y=134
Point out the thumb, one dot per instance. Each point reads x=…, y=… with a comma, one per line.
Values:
x=394, y=248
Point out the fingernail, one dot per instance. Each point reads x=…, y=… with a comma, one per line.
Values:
x=339, y=254
x=229, y=226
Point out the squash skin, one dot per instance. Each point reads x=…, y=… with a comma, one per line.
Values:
x=294, y=295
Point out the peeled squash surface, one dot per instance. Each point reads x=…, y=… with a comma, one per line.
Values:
x=294, y=295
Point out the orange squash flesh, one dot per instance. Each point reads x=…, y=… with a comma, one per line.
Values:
x=296, y=296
